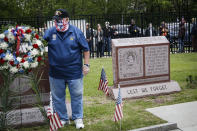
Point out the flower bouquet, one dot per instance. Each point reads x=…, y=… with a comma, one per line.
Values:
x=21, y=49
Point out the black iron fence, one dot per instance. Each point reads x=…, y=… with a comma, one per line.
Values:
x=121, y=22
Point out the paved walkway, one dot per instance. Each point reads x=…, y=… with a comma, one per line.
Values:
x=184, y=114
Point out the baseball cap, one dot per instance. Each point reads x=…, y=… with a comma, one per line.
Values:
x=60, y=13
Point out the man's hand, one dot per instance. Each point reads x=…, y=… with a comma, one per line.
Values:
x=86, y=69
x=86, y=66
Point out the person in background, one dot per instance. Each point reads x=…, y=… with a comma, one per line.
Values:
x=66, y=44
x=99, y=41
x=133, y=29
x=181, y=34
x=150, y=31
x=163, y=29
x=114, y=32
x=194, y=34
x=89, y=36
x=107, y=33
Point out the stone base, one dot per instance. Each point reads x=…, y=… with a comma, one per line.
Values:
x=27, y=116
x=30, y=116
x=146, y=90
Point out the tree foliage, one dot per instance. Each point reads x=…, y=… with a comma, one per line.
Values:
x=17, y=8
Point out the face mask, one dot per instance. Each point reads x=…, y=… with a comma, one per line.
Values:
x=62, y=25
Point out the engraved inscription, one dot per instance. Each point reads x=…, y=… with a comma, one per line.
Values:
x=25, y=116
x=149, y=89
x=20, y=84
x=29, y=99
x=132, y=91
x=156, y=60
x=130, y=62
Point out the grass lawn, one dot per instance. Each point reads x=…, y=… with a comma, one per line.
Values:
x=99, y=109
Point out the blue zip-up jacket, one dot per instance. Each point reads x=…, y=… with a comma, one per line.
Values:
x=65, y=52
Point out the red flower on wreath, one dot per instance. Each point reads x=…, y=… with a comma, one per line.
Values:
x=5, y=39
x=2, y=61
x=25, y=56
x=37, y=36
x=23, y=60
x=1, y=51
x=17, y=53
x=39, y=58
x=28, y=31
x=35, y=46
x=11, y=63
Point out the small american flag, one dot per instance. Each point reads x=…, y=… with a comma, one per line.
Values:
x=103, y=84
x=118, y=115
x=55, y=122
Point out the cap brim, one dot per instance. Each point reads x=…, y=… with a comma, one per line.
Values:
x=57, y=17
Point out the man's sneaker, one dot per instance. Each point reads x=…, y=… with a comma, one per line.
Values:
x=64, y=123
x=79, y=123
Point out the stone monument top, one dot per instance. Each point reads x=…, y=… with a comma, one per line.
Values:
x=140, y=41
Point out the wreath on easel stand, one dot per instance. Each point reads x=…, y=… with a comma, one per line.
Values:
x=21, y=50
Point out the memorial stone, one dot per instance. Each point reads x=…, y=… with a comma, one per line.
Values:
x=142, y=61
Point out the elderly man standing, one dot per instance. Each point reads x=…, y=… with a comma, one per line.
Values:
x=65, y=46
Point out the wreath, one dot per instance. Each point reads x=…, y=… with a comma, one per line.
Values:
x=21, y=49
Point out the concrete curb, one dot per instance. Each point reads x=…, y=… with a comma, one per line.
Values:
x=161, y=127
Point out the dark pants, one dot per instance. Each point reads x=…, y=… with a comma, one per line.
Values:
x=100, y=49
x=181, y=44
x=108, y=44
x=90, y=46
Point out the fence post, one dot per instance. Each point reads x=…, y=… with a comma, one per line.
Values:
x=142, y=24
x=92, y=35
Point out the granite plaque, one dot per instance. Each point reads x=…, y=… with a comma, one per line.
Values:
x=139, y=63
x=130, y=62
x=156, y=60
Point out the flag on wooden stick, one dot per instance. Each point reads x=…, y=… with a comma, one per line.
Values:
x=103, y=84
x=55, y=122
x=118, y=115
